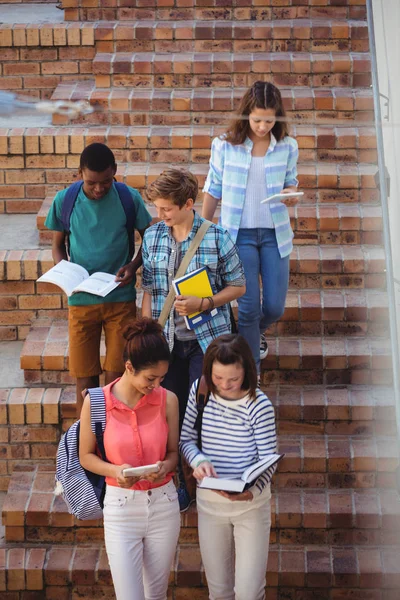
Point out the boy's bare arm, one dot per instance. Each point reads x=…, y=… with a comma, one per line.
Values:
x=146, y=305
x=58, y=248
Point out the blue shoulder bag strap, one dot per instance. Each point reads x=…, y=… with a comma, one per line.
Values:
x=67, y=208
x=98, y=417
x=69, y=203
x=130, y=212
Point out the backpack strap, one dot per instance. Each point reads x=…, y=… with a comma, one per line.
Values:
x=128, y=205
x=202, y=397
x=98, y=417
x=69, y=203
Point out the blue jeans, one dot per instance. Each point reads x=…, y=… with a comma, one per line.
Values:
x=185, y=367
x=259, y=254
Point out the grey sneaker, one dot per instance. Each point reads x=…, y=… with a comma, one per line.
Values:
x=263, y=347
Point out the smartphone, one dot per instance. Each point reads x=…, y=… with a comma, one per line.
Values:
x=138, y=471
x=279, y=196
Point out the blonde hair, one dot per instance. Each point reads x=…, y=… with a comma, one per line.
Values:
x=177, y=185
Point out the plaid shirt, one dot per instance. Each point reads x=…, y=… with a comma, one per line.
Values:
x=227, y=179
x=216, y=251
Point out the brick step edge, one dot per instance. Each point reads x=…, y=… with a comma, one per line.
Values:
x=288, y=566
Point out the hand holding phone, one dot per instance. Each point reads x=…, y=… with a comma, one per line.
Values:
x=282, y=196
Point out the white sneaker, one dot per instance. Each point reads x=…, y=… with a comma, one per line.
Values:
x=263, y=347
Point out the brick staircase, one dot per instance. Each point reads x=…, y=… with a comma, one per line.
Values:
x=166, y=74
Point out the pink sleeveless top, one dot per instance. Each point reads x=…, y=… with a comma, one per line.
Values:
x=136, y=436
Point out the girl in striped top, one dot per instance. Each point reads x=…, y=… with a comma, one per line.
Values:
x=238, y=430
x=255, y=159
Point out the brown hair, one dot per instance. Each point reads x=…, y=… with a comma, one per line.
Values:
x=230, y=349
x=177, y=185
x=262, y=94
x=145, y=344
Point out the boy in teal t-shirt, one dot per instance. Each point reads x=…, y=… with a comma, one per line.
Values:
x=98, y=241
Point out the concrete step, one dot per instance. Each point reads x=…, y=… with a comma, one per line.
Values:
x=133, y=10
x=355, y=516
x=207, y=106
x=31, y=423
x=186, y=70
x=304, y=360
x=340, y=224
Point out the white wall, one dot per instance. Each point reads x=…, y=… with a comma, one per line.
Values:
x=387, y=36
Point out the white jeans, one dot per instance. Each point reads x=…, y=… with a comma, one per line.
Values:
x=141, y=530
x=234, y=543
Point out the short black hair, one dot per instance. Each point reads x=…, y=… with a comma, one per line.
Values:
x=97, y=157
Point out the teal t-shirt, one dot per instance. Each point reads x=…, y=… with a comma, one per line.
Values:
x=99, y=239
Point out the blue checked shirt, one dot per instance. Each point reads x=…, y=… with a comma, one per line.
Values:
x=227, y=179
x=216, y=251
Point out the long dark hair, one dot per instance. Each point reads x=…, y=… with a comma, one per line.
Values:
x=145, y=344
x=231, y=349
x=264, y=95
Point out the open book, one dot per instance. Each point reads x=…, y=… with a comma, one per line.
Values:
x=248, y=476
x=73, y=278
x=196, y=283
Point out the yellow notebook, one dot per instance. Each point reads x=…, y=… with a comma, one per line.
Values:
x=197, y=283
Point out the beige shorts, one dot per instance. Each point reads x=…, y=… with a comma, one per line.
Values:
x=85, y=324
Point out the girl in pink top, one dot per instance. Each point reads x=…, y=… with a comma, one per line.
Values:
x=141, y=514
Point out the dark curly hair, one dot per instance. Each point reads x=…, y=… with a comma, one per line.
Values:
x=145, y=344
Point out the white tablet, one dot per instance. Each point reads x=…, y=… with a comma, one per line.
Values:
x=138, y=471
x=280, y=195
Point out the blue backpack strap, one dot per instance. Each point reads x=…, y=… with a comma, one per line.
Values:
x=68, y=204
x=130, y=212
x=98, y=417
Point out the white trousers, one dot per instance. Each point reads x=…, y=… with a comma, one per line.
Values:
x=141, y=531
x=234, y=543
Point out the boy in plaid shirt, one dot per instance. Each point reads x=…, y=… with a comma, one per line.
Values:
x=173, y=194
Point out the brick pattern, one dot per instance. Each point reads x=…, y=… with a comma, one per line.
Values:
x=124, y=69
x=131, y=10
x=35, y=58
x=37, y=162
x=328, y=572
x=339, y=224
x=22, y=300
x=302, y=516
x=304, y=360
x=31, y=421
x=126, y=107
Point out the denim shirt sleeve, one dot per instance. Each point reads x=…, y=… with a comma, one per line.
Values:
x=291, y=169
x=229, y=264
x=213, y=184
x=147, y=279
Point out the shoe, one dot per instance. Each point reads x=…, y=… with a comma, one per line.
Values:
x=184, y=498
x=263, y=347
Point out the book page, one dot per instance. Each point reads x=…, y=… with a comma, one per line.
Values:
x=65, y=275
x=220, y=483
x=99, y=284
x=254, y=471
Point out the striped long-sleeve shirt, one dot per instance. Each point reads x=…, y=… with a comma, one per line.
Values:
x=235, y=434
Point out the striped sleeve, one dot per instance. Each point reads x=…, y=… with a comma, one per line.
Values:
x=262, y=417
x=188, y=442
x=291, y=169
x=213, y=184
